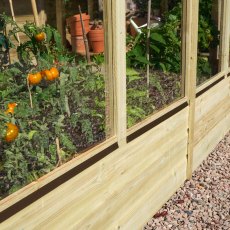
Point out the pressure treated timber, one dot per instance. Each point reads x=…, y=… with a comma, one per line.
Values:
x=114, y=191
x=61, y=170
x=119, y=69
x=224, y=52
x=125, y=187
x=190, y=71
x=212, y=120
x=109, y=77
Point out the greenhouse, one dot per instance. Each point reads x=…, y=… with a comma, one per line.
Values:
x=107, y=107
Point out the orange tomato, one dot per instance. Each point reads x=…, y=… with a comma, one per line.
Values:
x=54, y=72
x=11, y=107
x=48, y=75
x=34, y=79
x=43, y=73
x=11, y=132
x=40, y=37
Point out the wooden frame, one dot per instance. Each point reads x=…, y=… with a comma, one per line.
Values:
x=125, y=182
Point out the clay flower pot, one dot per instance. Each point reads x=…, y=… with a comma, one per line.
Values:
x=96, y=40
x=78, y=45
x=74, y=23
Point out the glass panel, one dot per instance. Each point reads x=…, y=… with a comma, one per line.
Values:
x=208, y=62
x=52, y=101
x=153, y=56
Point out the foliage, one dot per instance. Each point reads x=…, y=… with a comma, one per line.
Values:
x=165, y=45
x=208, y=34
x=164, y=88
x=68, y=110
x=4, y=45
x=165, y=41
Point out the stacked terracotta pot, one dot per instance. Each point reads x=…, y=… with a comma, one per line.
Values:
x=95, y=36
x=77, y=39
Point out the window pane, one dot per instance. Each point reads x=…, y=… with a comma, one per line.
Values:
x=208, y=63
x=153, y=56
x=51, y=99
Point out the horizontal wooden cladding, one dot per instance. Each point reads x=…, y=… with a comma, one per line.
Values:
x=36, y=189
x=212, y=120
x=119, y=190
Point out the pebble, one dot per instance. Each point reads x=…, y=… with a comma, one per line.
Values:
x=204, y=201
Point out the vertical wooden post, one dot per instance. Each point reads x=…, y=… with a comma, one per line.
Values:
x=225, y=35
x=60, y=20
x=183, y=46
x=35, y=12
x=109, y=79
x=192, y=10
x=119, y=69
x=148, y=43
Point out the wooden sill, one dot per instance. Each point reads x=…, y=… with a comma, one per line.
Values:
x=59, y=175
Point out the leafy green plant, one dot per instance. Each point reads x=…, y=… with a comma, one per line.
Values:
x=56, y=118
x=4, y=45
x=208, y=34
x=165, y=45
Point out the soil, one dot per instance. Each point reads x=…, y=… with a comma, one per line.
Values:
x=164, y=89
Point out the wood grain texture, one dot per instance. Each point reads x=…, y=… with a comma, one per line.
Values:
x=190, y=71
x=212, y=120
x=113, y=190
x=119, y=69
x=125, y=188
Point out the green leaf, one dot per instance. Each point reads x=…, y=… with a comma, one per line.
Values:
x=162, y=65
x=142, y=59
x=158, y=37
x=57, y=39
x=155, y=48
x=31, y=134
x=131, y=72
x=48, y=32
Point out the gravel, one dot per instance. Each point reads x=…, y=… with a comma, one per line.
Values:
x=204, y=201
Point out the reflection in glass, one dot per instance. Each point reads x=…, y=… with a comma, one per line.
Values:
x=153, y=56
x=208, y=62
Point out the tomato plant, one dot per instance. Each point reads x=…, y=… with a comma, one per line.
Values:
x=68, y=104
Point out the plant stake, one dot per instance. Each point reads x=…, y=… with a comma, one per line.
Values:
x=58, y=152
x=35, y=12
x=84, y=36
x=30, y=95
x=13, y=16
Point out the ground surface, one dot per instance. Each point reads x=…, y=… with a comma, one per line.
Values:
x=204, y=201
